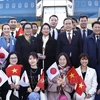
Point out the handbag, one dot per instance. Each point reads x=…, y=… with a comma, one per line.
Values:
x=62, y=97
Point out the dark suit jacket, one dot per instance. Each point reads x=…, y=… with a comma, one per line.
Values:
x=89, y=32
x=58, y=31
x=23, y=48
x=90, y=49
x=75, y=47
x=50, y=51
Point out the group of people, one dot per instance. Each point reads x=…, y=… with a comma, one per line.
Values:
x=68, y=46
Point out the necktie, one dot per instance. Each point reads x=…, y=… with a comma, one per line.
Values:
x=12, y=33
x=97, y=39
x=84, y=35
x=97, y=43
x=53, y=34
x=69, y=38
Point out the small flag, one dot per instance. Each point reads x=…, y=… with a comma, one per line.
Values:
x=14, y=70
x=81, y=86
x=72, y=76
x=3, y=78
x=52, y=71
x=41, y=81
x=20, y=32
x=24, y=80
x=3, y=55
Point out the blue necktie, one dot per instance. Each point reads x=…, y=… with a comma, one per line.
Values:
x=97, y=49
x=84, y=35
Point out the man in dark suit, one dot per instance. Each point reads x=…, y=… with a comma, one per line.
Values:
x=83, y=21
x=34, y=29
x=92, y=48
x=92, y=45
x=70, y=42
x=53, y=21
x=13, y=26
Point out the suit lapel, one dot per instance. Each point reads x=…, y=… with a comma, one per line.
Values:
x=73, y=37
x=89, y=32
x=65, y=38
x=79, y=71
x=87, y=74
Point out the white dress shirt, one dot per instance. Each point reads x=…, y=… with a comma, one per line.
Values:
x=85, y=32
x=56, y=33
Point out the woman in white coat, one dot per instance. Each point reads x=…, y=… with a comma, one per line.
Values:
x=90, y=78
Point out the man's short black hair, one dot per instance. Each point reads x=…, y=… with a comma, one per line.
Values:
x=53, y=16
x=12, y=19
x=35, y=24
x=96, y=22
x=74, y=19
x=23, y=20
x=68, y=18
x=82, y=16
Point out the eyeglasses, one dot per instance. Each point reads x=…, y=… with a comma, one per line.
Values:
x=13, y=58
x=22, y=23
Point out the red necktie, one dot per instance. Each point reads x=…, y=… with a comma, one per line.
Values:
x=69, y=38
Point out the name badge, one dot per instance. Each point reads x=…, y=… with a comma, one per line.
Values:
x=12, y=42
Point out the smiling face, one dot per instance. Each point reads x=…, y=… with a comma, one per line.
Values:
x=84, y=61
x=34, y=29
x=96, y=29
x=83, y=22
x=13, y=59
x=13, y=23
x=32, y=60
x=68, y=25
x=6, y=30
x=62, y=61
x=45, y=30
x=53, y=21
x=27, y=29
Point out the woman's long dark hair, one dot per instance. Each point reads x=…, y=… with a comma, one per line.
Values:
x=67, y=58
x=8, y=58
x=42, y=28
